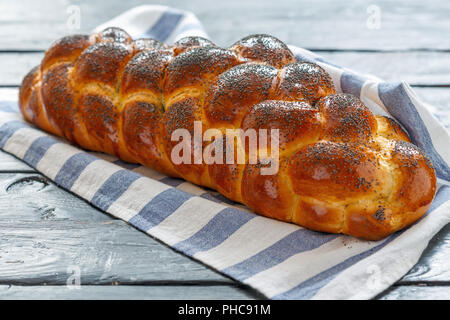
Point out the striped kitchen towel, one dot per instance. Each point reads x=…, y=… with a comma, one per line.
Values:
x=281, y=260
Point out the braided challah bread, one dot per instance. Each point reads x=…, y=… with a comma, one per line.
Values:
x=341, y=169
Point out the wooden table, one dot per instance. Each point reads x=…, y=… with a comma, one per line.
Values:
x=47, y=234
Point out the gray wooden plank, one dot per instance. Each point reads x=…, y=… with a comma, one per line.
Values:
x=416, y=293
x=434, y=265
x=187, y=292
x=32, y=197
x=439, y=101
x=32, y=24
x=9, y=94
x=45, y=229
x=14, y=66
x=101, y=252
x=417, y=68
x=172, y=292
x=9, y=163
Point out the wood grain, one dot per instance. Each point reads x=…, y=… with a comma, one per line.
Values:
x=434, y=265
x=9, y=163
x=416, y=292
x=104, y=252
x=45, y=229
x=32, y=197
x=439, y=102
x=311, y=24
x=416, y=68
x=145, y=292
x=15, y=66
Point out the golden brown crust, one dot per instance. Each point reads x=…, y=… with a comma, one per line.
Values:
x=263, y=48
x=191, y=42
x=390, y=129
x=341, y=169
x=102, y=62
x=195, y=68
x=226, y=176
x=418, y=180
x=25, y=91
x=145, y=71
x=100, y=119
x=142, y=134
x=303, y=82
x=59, y=100
x=292, y=119
x=319, y=215
x=236, y=91
x=334, y=171
x=271, y=195
x=346, y=118
x=181, y=115
x=66, y=49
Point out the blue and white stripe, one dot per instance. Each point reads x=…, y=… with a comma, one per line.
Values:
x=281, y=260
